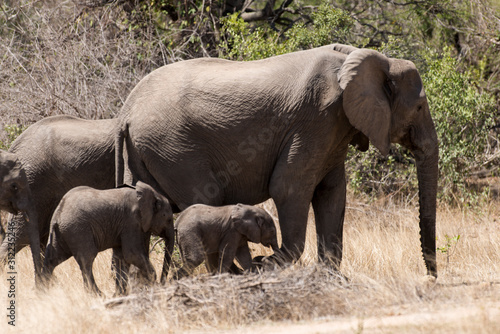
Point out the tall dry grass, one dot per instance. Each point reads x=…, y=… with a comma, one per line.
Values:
x=386, y=290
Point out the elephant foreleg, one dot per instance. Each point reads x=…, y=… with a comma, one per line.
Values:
x=167, y=258
x=244, y=258
x=227, y=254
x=329, y=207
x=292, y=189
x=292, y=212
x=18, y=236
x=85, y=263
x=142, y=262
x=120, y=268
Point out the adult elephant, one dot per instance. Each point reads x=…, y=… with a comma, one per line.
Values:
x=221, y=132
x=59, y=153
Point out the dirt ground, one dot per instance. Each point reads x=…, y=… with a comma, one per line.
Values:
x=480, y=317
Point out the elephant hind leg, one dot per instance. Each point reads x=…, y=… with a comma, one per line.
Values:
x=189, y=264
x=192, y=253
x=56, y=253
x=54, y=256
x=135, y=169
x=182, y=272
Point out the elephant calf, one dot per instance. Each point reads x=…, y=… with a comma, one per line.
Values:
x=218, y=235
x=88, y=221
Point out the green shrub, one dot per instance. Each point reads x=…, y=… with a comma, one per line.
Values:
x=463, y=116
x=329, y=25
x=243, y=44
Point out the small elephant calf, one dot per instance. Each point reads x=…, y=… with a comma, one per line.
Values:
x=218, y=235
x=88, y=221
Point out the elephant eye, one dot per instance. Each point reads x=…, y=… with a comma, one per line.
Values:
x=14, y=186
x=158, y=206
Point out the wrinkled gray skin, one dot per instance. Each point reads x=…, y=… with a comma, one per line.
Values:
x=16, y=197
x=88, y=221
x=218, y=235
x=59, y=153
x=222, y=132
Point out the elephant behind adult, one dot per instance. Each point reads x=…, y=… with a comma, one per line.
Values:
x=60, y=153
x=16, y=198
x=220, y=132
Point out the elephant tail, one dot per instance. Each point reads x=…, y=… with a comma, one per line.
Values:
x=57, y=251
x=121, y=134
x=49, y=250
x=55, y=245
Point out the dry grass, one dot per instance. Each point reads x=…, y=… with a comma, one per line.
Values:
x=386, y=290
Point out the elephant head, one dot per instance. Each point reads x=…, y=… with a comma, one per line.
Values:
x=156, y=213
x=14, y=190
x=384, y=99
x=15, y=197
x=156, y=217
x=255, y=224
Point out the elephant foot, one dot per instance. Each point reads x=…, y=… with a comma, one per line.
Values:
x=281, y=258
x=235, y=270
x=269, y=262
x=119, y=293
x=96, y=292
x=163, y=279
x=338, y=275
x=121, y=287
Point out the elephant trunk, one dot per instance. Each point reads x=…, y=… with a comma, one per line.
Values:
x=169, y=238
x=30, y=214
x=427, y=174
x=274, y=246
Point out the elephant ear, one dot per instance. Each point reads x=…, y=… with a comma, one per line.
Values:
x=10, y=165
x=364, y=77
x=245, y=222
x=346, y=49
x=146, y=199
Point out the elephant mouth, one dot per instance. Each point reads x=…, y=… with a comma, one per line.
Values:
x=15, y=209
x=10, y=207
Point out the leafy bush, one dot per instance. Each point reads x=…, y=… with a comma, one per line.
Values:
x=463, y=116
x=329, y=25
